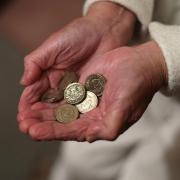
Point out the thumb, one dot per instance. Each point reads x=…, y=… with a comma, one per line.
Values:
x=36, y=62
x=67, y=47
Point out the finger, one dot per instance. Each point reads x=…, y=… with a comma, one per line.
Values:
x=25, y=125
x=55, y=77
x=32, y=93
x=41, y=115
x=32, y=72
x=36, y=62
x=61, y=50
x=57, y=131
x=19, y=119
x=42, y=105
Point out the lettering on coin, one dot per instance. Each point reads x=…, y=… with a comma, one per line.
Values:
x=74, y=93
x=66, y=113
x=95, y=83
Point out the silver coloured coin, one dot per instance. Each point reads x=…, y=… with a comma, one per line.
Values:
x=90, y=103
x=95, y=83
x=74, y=93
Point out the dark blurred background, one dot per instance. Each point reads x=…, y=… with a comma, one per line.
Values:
x=24, y=25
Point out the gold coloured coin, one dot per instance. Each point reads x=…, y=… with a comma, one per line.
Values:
x=74, y=93
x=52, y=96
x=66, y=113
x=90, y=103
x=95, y=83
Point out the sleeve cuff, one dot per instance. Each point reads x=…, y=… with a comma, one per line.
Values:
x=142, y=8
x=168, y=39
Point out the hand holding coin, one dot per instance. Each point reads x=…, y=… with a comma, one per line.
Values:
x=124, y=100
x=75, y=94
x=75, y=47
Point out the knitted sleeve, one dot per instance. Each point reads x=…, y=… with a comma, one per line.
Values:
x=142, y=8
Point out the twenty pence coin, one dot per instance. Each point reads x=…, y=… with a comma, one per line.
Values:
x=89, y=103
x=95, y=83
x=74, y=93
x=66, y=113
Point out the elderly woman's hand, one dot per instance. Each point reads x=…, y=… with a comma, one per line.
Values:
x=105, y=27
x=133, y=75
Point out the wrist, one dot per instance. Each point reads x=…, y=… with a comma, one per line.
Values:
x=157, y=68
x=108, y=15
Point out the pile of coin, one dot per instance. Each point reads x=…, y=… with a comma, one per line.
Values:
x=79, y=98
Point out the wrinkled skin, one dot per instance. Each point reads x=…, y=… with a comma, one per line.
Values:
x=79, y=42
x=85, y=46
x=131, y=84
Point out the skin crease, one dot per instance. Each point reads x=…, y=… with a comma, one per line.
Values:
x=85, y=46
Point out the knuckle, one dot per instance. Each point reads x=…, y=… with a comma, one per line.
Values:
x=110, y=135
x=27, y=58
x=93, y=131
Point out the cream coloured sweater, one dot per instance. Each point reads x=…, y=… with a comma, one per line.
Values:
x=162, y=19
